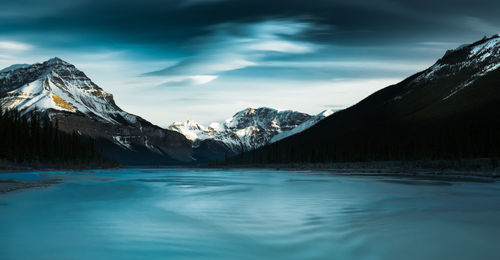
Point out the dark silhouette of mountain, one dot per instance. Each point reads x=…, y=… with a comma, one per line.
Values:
x=451, y=110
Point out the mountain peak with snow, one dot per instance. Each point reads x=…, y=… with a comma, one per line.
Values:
x=58, y=85
x=450, y=110
x=247, y=129
x=56, y=60
x=58, y=91
x=470, y=61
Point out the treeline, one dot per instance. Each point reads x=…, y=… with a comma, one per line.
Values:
x=472, y=139
x=355, y=136
x=409, y=121
x=28, y=140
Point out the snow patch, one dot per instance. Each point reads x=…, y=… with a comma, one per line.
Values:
x=123, y=142
x=304, y=126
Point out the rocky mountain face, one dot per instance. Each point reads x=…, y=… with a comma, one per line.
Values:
x=246, y=130
x=450, y=110
x=62, y=93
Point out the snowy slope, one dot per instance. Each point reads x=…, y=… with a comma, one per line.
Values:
x=302, y=127
x=192, y=130
x=249, y=129
x=60, y=92
x=473, y=60
x=58, y=85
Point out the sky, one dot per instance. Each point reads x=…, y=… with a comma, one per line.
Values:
x=173, y=60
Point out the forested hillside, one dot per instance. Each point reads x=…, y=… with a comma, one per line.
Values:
x=449, y=111
x=27, y=140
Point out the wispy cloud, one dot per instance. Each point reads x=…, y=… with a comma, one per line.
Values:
x=479, y=25
x=14, y=46
x=233, y=46
x=390, y=65
x=189, y=81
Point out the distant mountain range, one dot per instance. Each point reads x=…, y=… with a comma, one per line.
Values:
x=61, y=93
x=450, y=110
x=248, y=129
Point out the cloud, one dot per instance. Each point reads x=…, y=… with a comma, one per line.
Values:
x=205, y=64
x=259, y=46
x=361, y=64
x=233, y=46
x=479, y=25
x=14, y=46
x=189, y=81
x=280, y=46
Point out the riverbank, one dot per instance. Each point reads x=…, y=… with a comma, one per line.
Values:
x=9, y=167
x=479, y=167
x=476, y=170
x=9, y=185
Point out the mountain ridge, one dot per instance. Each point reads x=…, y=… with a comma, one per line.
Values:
x=450, y=110
x=61, y=93
x=246, y=130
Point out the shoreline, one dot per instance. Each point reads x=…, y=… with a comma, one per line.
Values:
x=424, y=174
x=10, y=185
x=478, y=173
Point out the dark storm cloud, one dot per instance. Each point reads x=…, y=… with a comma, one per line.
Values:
x=176, y=23
x=155, y=53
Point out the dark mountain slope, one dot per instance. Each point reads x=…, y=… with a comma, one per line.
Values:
x=451, y=110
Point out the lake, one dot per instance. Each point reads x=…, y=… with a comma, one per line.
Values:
x=248, y=214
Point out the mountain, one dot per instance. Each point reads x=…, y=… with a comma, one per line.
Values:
x=302, y=127
x=246, y=130
x=450, y=110
x=14, y=66
x=61, y=93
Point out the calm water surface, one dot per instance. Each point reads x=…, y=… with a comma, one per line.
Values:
x=248, y=214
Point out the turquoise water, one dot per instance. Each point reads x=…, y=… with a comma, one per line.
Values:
x=249, y=214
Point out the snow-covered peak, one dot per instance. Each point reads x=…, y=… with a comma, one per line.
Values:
x=472, y=61
x=191, y=130
x=216, y=126
x=245, y=130
x=56, y=85
x=57, y=61
x=265, y=117
x=477, y=51
x=190, y=124
x=59, y=92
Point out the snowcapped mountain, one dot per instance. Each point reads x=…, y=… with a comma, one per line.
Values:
x=192, y=130
x=58, y=85
x=62, y=93
x=246, y=130
x=465, y=64
x=302, y=127
x=450, y=110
